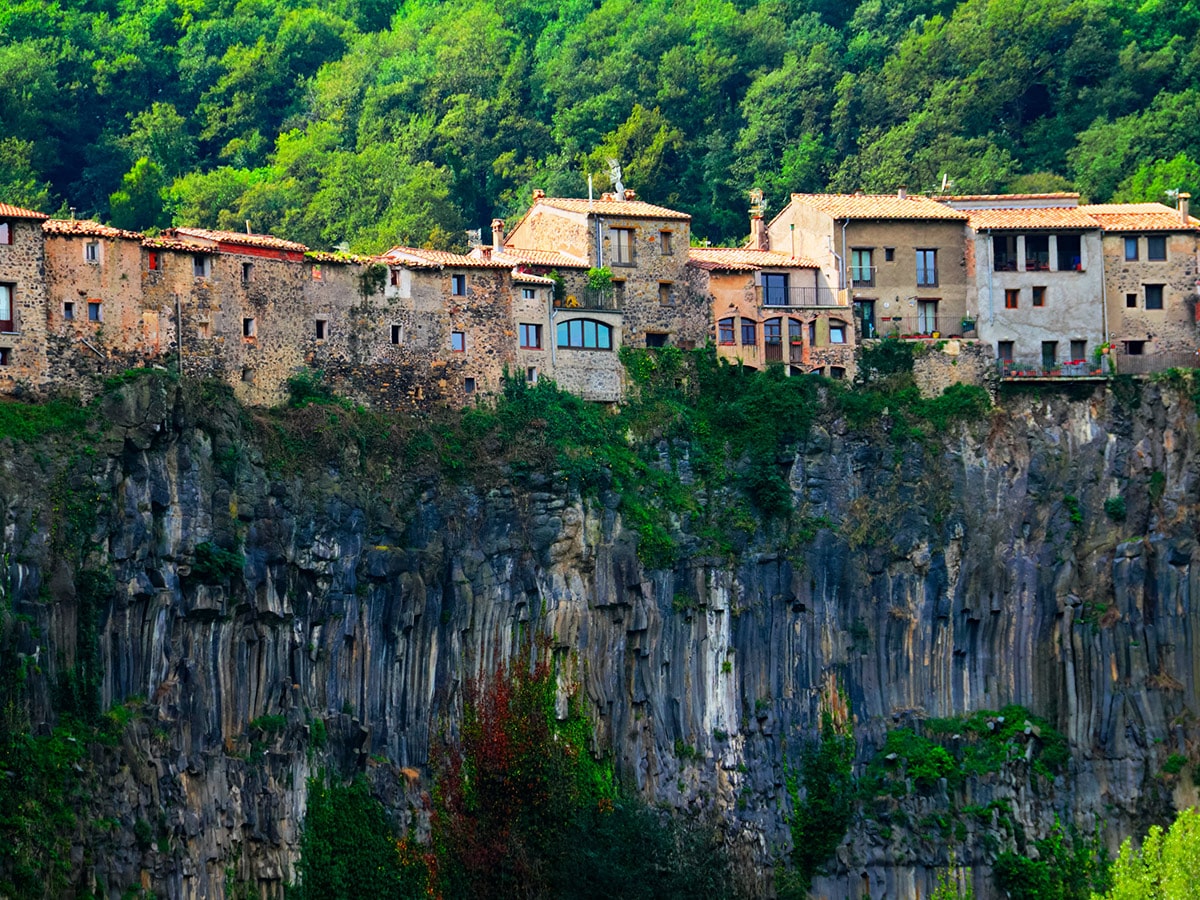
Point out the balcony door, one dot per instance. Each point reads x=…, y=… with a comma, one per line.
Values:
x=775, y=288
x=927, y=316
x=864, y=311
x=773, y=338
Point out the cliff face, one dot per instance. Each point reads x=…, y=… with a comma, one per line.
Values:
x=931, y=581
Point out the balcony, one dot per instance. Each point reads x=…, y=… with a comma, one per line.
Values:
x=863, y=276
x=797, y=296
x=1043, y=370
x=918, y=327
x=608, y=299
x=1145, y=363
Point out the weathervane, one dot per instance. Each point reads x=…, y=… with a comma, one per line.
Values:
x=614, y=175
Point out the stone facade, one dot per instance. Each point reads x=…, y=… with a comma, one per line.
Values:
x=23, y=358
x=944, y=363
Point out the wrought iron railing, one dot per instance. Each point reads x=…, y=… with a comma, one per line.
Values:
x=797, y=296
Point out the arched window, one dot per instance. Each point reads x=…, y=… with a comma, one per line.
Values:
x=725, y=331
x=773, y=331
x=584, y=334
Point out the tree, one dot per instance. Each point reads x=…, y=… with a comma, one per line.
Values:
x=139, y=203
x=1163, y=868
x=1152, y=180
x=19, y=183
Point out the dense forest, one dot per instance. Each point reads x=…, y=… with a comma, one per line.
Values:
x=369, y=122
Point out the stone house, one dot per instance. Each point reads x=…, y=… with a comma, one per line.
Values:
x=898, y=261
x=767, y=308
x=1036, y=278
x=1151, y=281
x=23, y=357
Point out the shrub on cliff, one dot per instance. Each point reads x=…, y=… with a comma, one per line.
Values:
x=1163, y=868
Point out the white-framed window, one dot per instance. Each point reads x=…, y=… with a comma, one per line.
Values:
x=622, y=247
x=201, y=266
x=531, y=336
x=6, y=233
x=7, y=317
x=91, y=252
x=528, y=293
x=95, y=311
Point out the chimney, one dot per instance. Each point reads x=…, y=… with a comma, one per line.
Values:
x=758, y=233
x=1184, y=197
x=608, y=195
x=497, y=234
x=538, y=194
x=902, y=194
x=630, y=194
x=486, y=252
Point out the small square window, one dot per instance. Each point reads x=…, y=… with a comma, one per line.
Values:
x=458, y=285
x=664, y=243
x=397, y=334
x=1039, y=296
x=531, y=336
x=666, y=295
x=1154, y=296
x=1012, y=298
x=889, y=254
x=656, y=339
x=69, y=311
x=1156, y=248
x=153, y=261
x=837, y=333
x=201, y=266
x=528, y=294
x=468, y=385
x=91, y=252
x=322, y=330
x=204, y=329
x=1131, y=301
x=247, y=272
x=531, y=374
x=1134, y=348
x=249, y=328
x=94, y=311
x=458, y=341
x=5, y=233
x=247, y=375
x=1078, y=350
x=1131, y=248
x=5, y=356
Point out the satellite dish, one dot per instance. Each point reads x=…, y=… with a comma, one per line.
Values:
x=614, y=175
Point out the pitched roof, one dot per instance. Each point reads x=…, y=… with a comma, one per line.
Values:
x=441, y=259
x=87, y=228
x=878, y=206
x=552, y=258
x=529, y=278
x=1139, y=217
x=628, y=209
x=15, y=212
x=967, y=198
x=323, y=256
x=1031, y=218
x=163, y=243
x=741, y=259
x=265, y=241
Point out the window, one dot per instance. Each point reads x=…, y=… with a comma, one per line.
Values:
x=531, y=374
x=201, y=266
x=749, y=333
x=837, y=372
x=247, y=375
x=1131, y=249
x=1078, y=350
x=5, y=233
x=397, y=334
x=531, y=337
x=926, y=268
x=1049, y=354
x=862, y=274
x=864, y=311
x=773, y=331
x=664, y=243
x=1037, y=252
x=837, y=332
x=5, y=356
x=889, y=254
x=1039, y=296
x=656, y=339
x=394, y=277
x=247, y=272
x=775, y=289
x=6, y=307
x=68, y=310
x=665, y=295
x=1012, y=298
x=725, y=331
x=1156, y=248
x=1131, y=301
x=458, y=285
x=91, y=252
x=1070, y=257
x=458, y=341
x=927, y=316
x=1154, y=296
x=1134, y=348
x=204, y=329
x=249, y=329
x=1004, y=252
x=528, y=294
x=322, y=329
x=153, y=261
x=1004, y=350
x=94, y=314
x=622, y=246
x=468, y=385
x=584, y=334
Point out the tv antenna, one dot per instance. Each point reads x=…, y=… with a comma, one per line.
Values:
x=946, y=182
x=1173, y=194
x=614, y=175
x=758, y=205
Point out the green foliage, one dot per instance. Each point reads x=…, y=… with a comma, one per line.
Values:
x=1164, y=867
x=1069, y=866
x=1157, y=487
x=890, y=356
x=1074, y=512
x=216, y=565
x=29, y=422
x=820, y=818
x=1174, y=764
x=1114, y=508
x=599, y=279
x=308, y=387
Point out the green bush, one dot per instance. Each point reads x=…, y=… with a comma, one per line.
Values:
x=215, y=565
x=1114, y=508
x=1174, y=764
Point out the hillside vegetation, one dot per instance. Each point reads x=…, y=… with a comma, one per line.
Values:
x=369, y=122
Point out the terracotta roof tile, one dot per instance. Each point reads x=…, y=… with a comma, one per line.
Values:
x=15, y=212
x=265, y=241
x=162, y=243
x=1055, y=195
x=518, y=256
x=743, y=259
x=87, y=228
x=1032, y=218
x=631, y=209
x=1139, y=217
x=322, y=256
x=528, y=278
x=878, y=206
x=442, y=259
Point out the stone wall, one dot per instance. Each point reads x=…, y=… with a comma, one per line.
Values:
x=22, y=267
x=1173, y=328
x=939, y=364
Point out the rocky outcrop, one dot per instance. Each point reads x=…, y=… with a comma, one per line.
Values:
x=978, y=571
